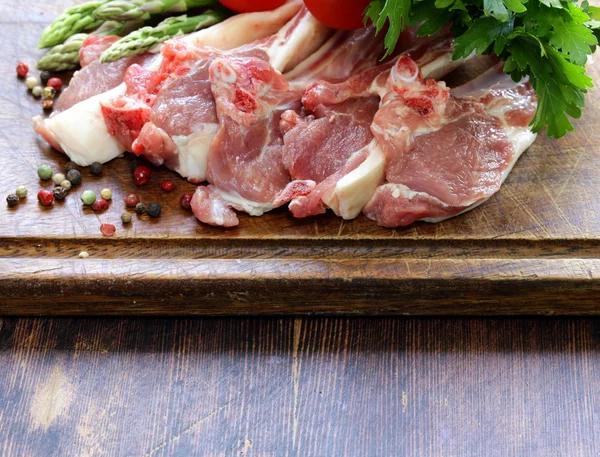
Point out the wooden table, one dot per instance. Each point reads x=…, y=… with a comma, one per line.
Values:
x=305, y=387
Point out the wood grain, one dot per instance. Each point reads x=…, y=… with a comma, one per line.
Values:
x=532, y=248
x=328, y=387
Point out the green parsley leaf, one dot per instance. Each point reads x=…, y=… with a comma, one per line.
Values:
x=395, y=12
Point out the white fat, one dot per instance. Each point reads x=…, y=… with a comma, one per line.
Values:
x=82, y=133
x=224, y=72
x=397, y=76
x=193, y=152
x=242, y=204
x=354, y=190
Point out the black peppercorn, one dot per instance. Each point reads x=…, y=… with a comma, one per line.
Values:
x=12, y=199
x=140, y=208
x=59, y=193
x=74, y=176
x=45, y=76
x=96, y=168
x=154, y=209
x=70, y=166
x=133, y=165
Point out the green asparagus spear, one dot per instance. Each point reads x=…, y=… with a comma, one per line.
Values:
x=65, y=56
x=127, y=10
x=147, y=37
x=78, y=18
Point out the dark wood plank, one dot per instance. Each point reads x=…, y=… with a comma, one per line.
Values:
x=532, y=248
x=299, y=387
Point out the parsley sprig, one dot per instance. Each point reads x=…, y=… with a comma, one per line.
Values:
x=547, y=40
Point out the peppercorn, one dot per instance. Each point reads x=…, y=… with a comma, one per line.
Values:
x=47, y=104
x=55, y=83
x=58, y=178
x=141, y=175
x=88, y=197
x=96, y=168
x=44, y=172
x=31, y=82
x=22, y=192
x=12, y=199
x=49, y=93
x=71, y=166
x=59, y=192
x=74, y=176
x=37, y=91
x=126, y=218
x=45, y=197
x=100, y=205
x=45, y=76
x=106, y=194
x=154, y=209
x=132, y=200
x=22, y=69
x=66, y=184
x=167, y=186
x=108, y=229
x=140, y=208
x=83, y=255
x=186, y=201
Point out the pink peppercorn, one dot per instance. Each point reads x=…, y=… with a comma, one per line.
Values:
x=167, y=186
x=108, y=229
x=100, y=205
x=55, y=83
x=186, y=201
x=22, y=69
x=131, y=200
x=45, y=197
x=141, y=175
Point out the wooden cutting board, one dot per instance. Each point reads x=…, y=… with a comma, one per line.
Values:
x=533, y=248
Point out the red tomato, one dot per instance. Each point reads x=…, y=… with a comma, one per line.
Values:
x=339, y=14
x=248, y=6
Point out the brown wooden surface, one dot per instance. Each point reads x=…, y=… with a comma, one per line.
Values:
x=532, y=248
x=300, y=387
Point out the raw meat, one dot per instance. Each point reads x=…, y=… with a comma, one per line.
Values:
x=336, y=139
x=447, y=152
x=80, y=131
x=169, y=115
x=245, y=166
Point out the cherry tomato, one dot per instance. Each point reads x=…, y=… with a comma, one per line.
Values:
x=338, y=14
x=248, y=6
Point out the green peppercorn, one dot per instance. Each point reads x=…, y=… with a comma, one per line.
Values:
x=74, y=176
x=140, y=208
x=58, y=178
x=71, y=166
x=88, y=197
x=106, y=194
x=154, y=209
x=59, y=193
x=126, y=218
x=66, y=184
x=48, y=93
x=12, y=199
x=45, y=76
x=44, y=172
x=96, y=168
x=22, y=192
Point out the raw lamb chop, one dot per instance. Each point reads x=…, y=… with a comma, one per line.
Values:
x=169, y=114
x=79, y=130
x=245, y=166
x=447, y=152
x=336, y=139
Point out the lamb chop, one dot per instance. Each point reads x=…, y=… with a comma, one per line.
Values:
x=447, y=151
x=245, y=166
x=169, y=114
x=77, y=127
x=336, y=139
